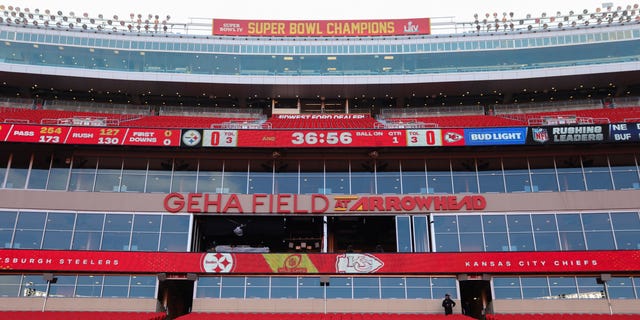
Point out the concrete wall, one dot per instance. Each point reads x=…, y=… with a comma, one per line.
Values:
x=79, y=304
x=153, y=202
x=318, y=305
x=566, y=306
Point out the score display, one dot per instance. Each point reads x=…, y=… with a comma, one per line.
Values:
x=333, y=138
x=271, y=138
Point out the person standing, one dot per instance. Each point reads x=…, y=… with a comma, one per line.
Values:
x=448, y=304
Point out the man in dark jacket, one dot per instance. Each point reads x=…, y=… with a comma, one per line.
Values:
x=448, y=304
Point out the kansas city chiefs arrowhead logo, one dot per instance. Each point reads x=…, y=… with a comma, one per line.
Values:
x=357, y=263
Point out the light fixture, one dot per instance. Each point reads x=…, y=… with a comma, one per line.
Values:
x=239, y=231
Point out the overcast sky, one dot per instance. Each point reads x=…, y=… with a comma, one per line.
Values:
x=182, y=10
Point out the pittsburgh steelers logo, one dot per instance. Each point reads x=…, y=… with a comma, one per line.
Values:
x=191, y=138
x=217, y=262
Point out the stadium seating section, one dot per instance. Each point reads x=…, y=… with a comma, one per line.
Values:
x=366, y=122
x=80, y=315
x=570, y=316
x=52, y=117
x=319, y=316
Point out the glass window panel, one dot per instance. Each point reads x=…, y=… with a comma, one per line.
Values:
x=235, y=176
x=174, y=242
x=116, y=241
x=535, y=292
x=495, y=241
x=286, y=182
x=414, y=179
x=185, y=175
x=507, y=293
x=4, y=162
x=311, y=176
x=570, y=174
x=439, y=176
x=31, y=220
x=210, y=176
x=625, y=221
x=596, y=221
x=469, y=223
x=261, y=177
x=490, y=176
x=88, y=291
x=563, y=287
x=388, y=182
x=159, y=175
x=60, y=221
x=109, y=174
x=572, y=241
x=27, y=239
x=17, y=173
x=10, y=285
x=621, y=288
x=464, y=182
x=283, y=292
x=88, y=221
x=39, y=171
x=115, y=291
x=624, y=172
x=5, y=238
x=63, y=287
x=420, y=234
x=543, y=222
x=8, y=219
x=133, y=175
x=57, y=240
x=445, y=224
x=147, y=223
x=175, y=223
x=86, y=240
x=546, y=241
x=418, y=293
x=494, y=223
x=257, y=292
x=309, y=287
x=366, y=293
x=596, y=172
x=516, y=174
x=83, y=173
x=388, y=176
x=519, y=223
x=232, y=292
x=589, y=288
x=628, y=240
x=337, y=183
x=403, y=233
x=471, y=242
x=600, y=240
x=142, y=292
x=447, y=243
x=362, y=182
x=144, y=241
x=118, y=222
x=569, y=222
x=543, y=174
x=521, y=241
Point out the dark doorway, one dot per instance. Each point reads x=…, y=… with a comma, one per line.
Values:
x=176, y=296
x=475, y=296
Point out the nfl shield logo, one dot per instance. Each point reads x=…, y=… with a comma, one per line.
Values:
x=540, y=135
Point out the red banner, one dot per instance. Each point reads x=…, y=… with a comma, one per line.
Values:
x=321, y=28
x=301, y=263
